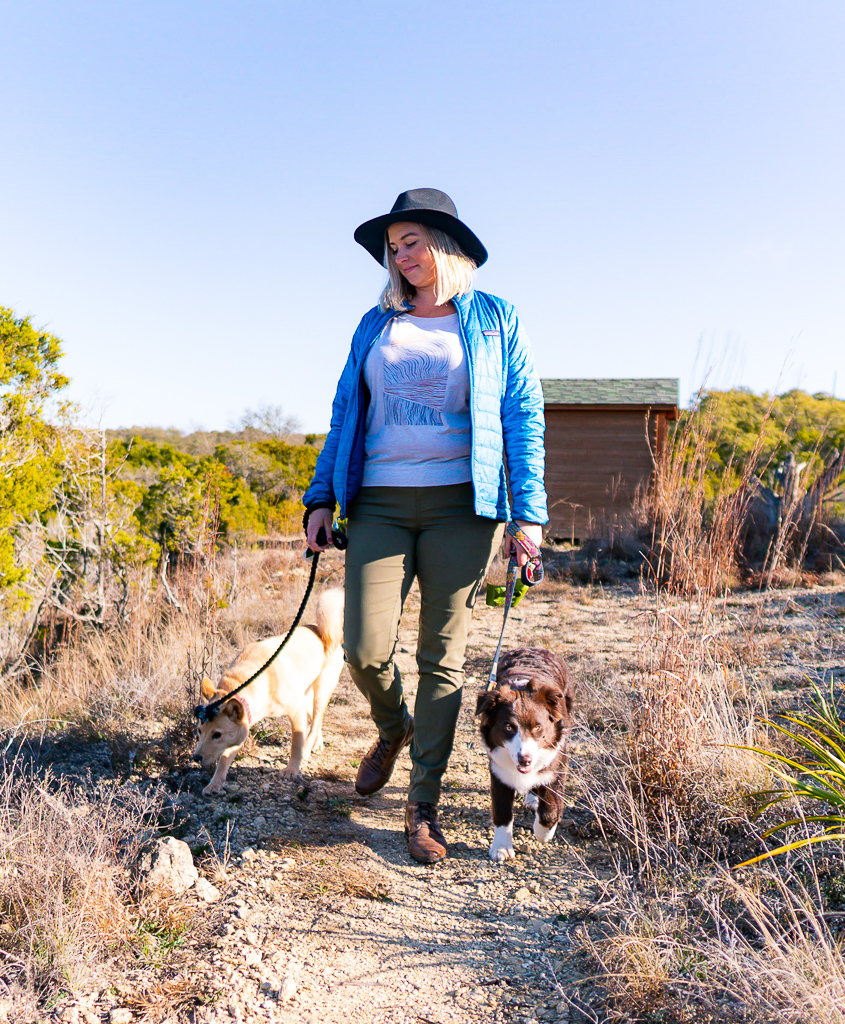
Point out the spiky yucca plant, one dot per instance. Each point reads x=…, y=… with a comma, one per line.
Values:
x=820, y=777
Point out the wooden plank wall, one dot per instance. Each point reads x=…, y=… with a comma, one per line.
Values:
x=595, y=459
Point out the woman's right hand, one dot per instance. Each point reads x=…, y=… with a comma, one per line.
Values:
x=320, y=517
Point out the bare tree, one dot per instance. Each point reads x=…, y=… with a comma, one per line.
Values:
x=786, y=518
x=271, y=421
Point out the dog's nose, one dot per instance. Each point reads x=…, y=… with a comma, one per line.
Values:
x=198, y=758
x=524, y=760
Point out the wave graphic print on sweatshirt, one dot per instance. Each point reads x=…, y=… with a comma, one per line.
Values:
x=415, y=385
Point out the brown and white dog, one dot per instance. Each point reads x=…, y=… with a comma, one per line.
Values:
x=297, y=684
x=525, y=725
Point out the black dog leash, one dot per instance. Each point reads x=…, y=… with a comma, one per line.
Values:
x=208, y=712
x=532, y=572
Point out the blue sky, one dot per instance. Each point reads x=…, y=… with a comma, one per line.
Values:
x=659, y=186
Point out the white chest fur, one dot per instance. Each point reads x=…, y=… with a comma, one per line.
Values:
x=503, y=764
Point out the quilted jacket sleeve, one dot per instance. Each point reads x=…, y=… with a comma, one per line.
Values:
x=321, y=490
x=523, y=425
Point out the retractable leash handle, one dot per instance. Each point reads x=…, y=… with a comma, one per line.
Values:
x=532, y=573
x=339, y=540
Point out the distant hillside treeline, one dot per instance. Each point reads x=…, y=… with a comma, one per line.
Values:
x=205, y=442
x=249, y=480
x=248, y=483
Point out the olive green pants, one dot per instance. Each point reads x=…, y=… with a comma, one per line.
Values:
x=433, y=534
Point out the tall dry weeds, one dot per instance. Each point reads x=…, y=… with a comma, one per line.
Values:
x=684, y=940
x=681, y=711
x=147, y=666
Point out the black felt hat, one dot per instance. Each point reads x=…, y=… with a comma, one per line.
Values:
x=427, y=206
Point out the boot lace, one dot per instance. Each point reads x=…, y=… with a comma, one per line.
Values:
x=379, y=754
x=425, y=814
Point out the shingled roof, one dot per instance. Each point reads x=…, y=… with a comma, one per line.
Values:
x=612, y=391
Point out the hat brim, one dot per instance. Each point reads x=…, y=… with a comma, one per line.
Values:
x=370, y=234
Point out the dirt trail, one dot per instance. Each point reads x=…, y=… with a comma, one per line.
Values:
x=465, y=940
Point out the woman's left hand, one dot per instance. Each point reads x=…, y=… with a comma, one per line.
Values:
x=533, y=531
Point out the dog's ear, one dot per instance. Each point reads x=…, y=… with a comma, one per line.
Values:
x=487, y=700
x=484, y=701
x=553, y=699
x=208, y=690
x=234, y=710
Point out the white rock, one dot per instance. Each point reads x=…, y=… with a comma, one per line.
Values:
x=168, y=864
x=288, y=989
x=121, y=1016
x=206, y=891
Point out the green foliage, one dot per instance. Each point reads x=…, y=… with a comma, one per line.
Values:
x=811, y=427
x=277, y=472
x=820, y=776
x=181, y=494
x=81, y=512
x=91, y=535
x=252, y=485
x=29, y=446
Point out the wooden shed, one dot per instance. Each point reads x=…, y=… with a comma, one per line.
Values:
x=600, y=439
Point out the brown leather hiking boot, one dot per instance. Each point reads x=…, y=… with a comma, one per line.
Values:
x=425, y=840
x=376, y=766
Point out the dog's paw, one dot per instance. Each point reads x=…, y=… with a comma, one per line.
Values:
x=213, y=788
x=532, y=801
x=499, y=854
x=543, y=834
x=291, y=771
x=501, y=849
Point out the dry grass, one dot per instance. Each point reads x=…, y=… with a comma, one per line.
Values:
x=677, y=937
x=66, y=896
x=756, y=952
x=160, y=998
x=681, y=703
x=682, y=940
x=321, y=872
x=68, y=906
x=148, y=667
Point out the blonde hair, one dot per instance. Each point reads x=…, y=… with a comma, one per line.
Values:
x=454, y=271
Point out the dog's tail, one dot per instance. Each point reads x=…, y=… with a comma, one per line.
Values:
x=330, y=617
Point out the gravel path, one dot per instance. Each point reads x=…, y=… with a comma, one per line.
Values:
x=365, y=934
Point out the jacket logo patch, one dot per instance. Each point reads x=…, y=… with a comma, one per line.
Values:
x=492, y=334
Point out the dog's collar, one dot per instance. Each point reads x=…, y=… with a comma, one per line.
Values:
x=245, y=706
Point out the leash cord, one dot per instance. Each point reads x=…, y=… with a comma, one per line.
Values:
x=207, y=712
x=532, y=572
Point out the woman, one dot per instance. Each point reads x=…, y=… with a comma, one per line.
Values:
x=438, y=389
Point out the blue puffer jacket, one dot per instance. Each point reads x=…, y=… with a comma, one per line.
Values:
x=506, y=410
